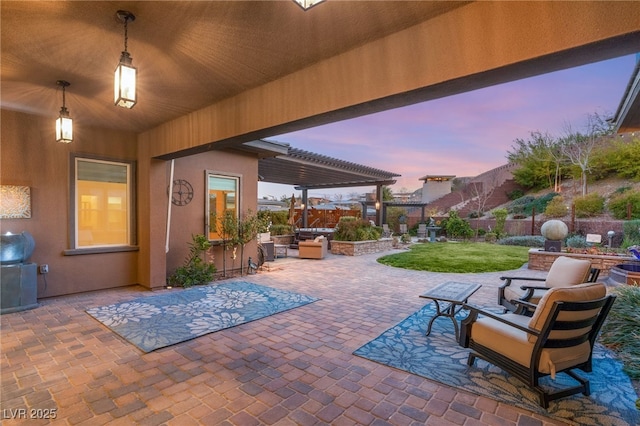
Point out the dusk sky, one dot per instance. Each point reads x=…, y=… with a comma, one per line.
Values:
x=465, y=134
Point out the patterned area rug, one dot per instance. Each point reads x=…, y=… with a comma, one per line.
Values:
x=154, y=322
x=439, y=357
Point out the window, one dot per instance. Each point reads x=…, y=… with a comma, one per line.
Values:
x=222, y=195
x=102, y=202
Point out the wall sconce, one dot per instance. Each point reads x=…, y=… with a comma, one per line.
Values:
x=377, y=205
x=125, y=75
x=307, y=4
x=64, y=124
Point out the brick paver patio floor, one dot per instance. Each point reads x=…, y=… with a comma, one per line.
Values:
x=295, y=367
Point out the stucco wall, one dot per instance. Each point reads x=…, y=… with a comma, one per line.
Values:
x=190, y=219
x=32, y=157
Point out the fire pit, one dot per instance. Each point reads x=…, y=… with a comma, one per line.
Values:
x=625, y=273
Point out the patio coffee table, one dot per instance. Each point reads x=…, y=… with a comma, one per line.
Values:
x=452, y=295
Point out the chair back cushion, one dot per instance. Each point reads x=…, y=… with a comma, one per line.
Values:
x=566, y=271
x=577, y=293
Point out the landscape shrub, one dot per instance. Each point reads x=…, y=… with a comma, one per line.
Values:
x=576, y=241
x=631, y=231
x=196, y=270
x=456, y=227
x=618, y=204
x=515, y=194
x=518, y=205
x=556, y=207
x=589, y=205
x=540, y=203
x=280, y=229
x=490, y=237
x=352, y=229
x=524, y=206
x=622, y=189
x=280, y=218
x=523, y=240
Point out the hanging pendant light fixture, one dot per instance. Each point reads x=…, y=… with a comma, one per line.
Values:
x=125, y=75
x=64, y=124
x=306, y=4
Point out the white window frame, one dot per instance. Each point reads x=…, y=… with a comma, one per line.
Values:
x=128, y=245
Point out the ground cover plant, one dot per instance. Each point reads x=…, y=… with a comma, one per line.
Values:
x=621, y=330
x=459, y=257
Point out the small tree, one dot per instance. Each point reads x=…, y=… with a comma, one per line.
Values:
x=228, y=226
x=248, y=229
x=501, y=219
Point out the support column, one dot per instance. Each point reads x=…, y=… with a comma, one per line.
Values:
x=379, y=203
x=305, y=204
x=152, y=215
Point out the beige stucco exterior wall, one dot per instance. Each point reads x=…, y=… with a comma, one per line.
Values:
x=31, y=157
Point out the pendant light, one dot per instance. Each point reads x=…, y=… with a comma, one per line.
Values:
x=64, y=124
x=306, y=4
x=125, y=75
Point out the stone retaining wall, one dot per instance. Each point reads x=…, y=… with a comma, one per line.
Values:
x=541, y=260
x=357, y=248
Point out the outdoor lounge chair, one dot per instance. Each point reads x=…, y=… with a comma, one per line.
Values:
x=422, y=230
x=564, y=271
x=403, y=228
x=313, y=249
x=386, y=232
x=558, y=338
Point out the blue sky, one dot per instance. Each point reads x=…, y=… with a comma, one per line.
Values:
x=465, y=134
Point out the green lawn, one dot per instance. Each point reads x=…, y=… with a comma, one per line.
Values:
x=459, y=257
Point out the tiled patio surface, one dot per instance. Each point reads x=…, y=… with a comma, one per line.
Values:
x=291, y=368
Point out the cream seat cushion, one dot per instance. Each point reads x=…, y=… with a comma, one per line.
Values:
x=518, y=345
x=564, y=271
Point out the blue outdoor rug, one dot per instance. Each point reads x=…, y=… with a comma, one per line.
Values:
x=154, y=322
x=439, y=357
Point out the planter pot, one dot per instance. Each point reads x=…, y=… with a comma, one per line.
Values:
x=264, y=237
x=357, y=248
x=541, y=260
x=282, y=239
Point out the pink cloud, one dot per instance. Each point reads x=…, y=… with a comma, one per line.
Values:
x=469, y=133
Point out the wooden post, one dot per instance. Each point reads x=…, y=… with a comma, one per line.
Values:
x=533, y=220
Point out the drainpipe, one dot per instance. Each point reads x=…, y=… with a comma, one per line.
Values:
x=166, y=246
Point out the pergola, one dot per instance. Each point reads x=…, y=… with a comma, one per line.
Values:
x=306, y=170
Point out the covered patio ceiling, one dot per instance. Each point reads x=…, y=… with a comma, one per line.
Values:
x=281, y=163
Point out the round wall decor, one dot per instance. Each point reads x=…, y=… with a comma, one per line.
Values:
x=182, y=192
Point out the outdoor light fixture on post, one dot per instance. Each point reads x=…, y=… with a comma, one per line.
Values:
x=377, y=205
x=125, y=75
x=64, y=124
x=307, y=4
